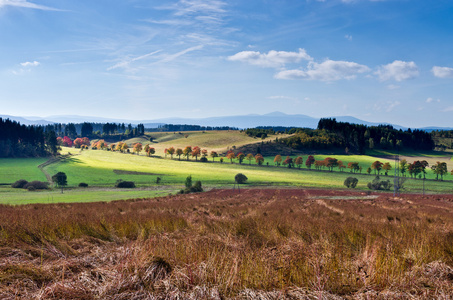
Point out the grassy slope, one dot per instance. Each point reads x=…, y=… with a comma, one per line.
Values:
x=96, y=168
x=212, y=140
x=13, y=169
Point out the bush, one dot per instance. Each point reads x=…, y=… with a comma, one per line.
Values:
x=351, y=182
x=37, y=185
x=124, y=184
x=203, y=159
x=19, y=184
x=378, y=184
x=188, y=182
x=240, y=178
x=83, y=184
x=31, y=188
x=196, y=188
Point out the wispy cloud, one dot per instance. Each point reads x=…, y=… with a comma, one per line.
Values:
x=125, y=63
x=272, y=59
x=442, y=72
x=328, y=70
x=398, y=70
x=430, y=100
x=26, y=4
x=184, y=7
x=171, y=57
x=30, y=64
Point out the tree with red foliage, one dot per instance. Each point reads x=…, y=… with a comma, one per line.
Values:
x=78, y=142
x=278, y=159
x=230, y=155
x=67, y=142
x=240, y=157
x=138, y=148
x=187, y=151
x=196, y=152
x=179, y=152
x=309, y=162
x=288, y=161
x=259, y=159
x=171, y=151
x=299, y=161
x=377, y=166
x=213, y=155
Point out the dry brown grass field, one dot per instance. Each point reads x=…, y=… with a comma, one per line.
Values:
x=225, y=244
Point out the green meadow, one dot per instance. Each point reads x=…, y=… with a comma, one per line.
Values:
x=100, y=169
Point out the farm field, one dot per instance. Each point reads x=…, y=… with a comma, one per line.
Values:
x=259, y=243
x=101, y=169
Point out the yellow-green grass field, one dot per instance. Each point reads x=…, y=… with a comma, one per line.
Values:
x=211, y=140
x=101, y=169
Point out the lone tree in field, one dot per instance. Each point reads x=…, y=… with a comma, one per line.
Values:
x=60, y=179
x=278, y=159
x=240, y=178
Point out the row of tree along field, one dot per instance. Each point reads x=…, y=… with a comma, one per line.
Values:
x=417, y=169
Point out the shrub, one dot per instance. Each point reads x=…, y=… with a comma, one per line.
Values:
x=37, y=185
x=31, y=188
x=83, y=184
x=240, y=178
x=158, y=180
x=351, y=182
x=188, y=182
x=378, y=184
x=196, y=188
x=203, y=159
x=124, y=184
x=19, y=184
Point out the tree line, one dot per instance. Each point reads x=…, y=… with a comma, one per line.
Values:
x=96, y=130
x=18, y=140
x=331, y=134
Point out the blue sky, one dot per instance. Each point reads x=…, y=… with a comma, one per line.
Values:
x=381, y=61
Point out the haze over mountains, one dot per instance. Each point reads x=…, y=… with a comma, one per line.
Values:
x=244, y=121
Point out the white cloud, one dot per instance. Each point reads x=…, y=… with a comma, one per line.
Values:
x=442, y=72
x=430, y=100
x=272, y=59
x=30, y=64
x=398, y=70
x=348, y=37
x=25, y=4
x=328, y=70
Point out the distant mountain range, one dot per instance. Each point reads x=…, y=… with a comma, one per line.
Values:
x=244, y=121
